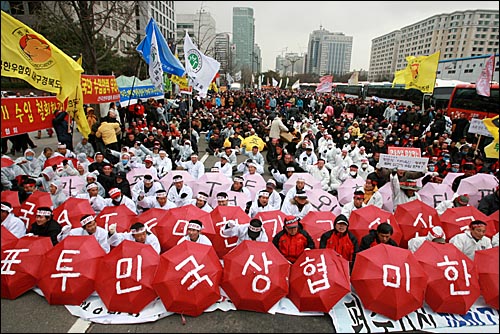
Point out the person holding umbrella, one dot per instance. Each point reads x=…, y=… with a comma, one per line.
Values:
x=89, y=227
x=293, y=239
x=403, y=191
x=356, y=203
x=194, y=228
x=45, y=225
x=341, y=240
x=138, y=233
x=472, y=239
x=201, y=202
x=435, y=234
x=458, y=201
x=251, y=231
x=383, y=234
x=11, y=222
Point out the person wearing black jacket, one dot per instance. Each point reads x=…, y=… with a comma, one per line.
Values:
x=45, y=225
x=383, y=234
x=122, y=183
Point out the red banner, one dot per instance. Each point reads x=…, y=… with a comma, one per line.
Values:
x=99, y=89
x=404, y=151
x=27, y=114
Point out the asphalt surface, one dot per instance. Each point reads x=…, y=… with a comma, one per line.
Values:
x=31, y=313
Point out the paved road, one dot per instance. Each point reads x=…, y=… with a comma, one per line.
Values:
x=30, y=313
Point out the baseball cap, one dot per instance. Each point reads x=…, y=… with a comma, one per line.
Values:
x=291, y=221
x=114, y=192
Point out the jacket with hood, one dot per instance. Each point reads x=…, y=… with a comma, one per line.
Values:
x=59, y=197
x=346, y=244
x=292, y=246
x=32, y=168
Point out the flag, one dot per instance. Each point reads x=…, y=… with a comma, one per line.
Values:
x=484, y=81
x=29, y=56
x=76, y=112
x=399, y=78
x=296, y=85
x=325, y=84
x=182, y=82
x=492, y=149
x=167, y=84
x=286, y=82
x=237, y=76
x=169, y=62
x=200, y=69
x=229, y=79
x=275, y=83
x=155, y=68
x=213, y=86
x=421, y=72
x=281, y=83
x=253, y=78
x=353, y=80
x=80, y=60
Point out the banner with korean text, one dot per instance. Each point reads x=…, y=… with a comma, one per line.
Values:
x=403, y=162
x=404, y=151
x=99, y=89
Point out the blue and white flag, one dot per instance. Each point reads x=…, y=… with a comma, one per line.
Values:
x=169, y=63
x=200, y=69
x=155, y=69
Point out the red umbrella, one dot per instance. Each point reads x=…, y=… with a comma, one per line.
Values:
x=272, y=222
x=8, y=239
x=493, y=220
x=389, y=280
x=58, y=161
x=173, y=224
x=254, y=183
x=12, y=197
x=368, y=218
x=125, y=279
x=486, y=262
x=322, y=200
x=70, y=212
x=453, y=284
x=220, y=215
x=20, y=265
x=188, y=278
x=456, y=220
x=28, y=208
x=318, y=222
x=212, y=184
x=255, y=276
x=68, y=270
x=415, y=219
x=318, y=280
x=7, y=161
x=120, y=215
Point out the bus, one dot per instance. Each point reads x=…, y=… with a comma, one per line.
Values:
x=348, y=91
x=465, y=99
x=440, y=98
x=398, y=94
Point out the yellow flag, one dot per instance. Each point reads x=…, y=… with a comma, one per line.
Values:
x=29, y=56
x=492, y=149
x=421, y=72
x=182, y=82
x=80, y=60
x=76, y=111
x=213, y=86
x=399, y=77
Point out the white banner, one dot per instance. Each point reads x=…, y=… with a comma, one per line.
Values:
x=403, y=163
x=477, y=126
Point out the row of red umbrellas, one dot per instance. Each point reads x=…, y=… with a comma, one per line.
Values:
x=389, y=280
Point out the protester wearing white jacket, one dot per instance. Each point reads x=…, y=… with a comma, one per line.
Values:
x=436, y=234
x=12, y=223
x=89, y=227
x=251, y=231
x=473, y=239
x=320, y=173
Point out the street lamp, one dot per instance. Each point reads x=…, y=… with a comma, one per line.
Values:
x=293, y=60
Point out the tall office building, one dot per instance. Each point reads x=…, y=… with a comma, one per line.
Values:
x=201, y=29
x=223, y=52
x=329, y=53
x=459, y=34
x=243, y=39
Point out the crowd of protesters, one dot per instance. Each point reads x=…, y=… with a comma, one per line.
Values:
x=277, y=131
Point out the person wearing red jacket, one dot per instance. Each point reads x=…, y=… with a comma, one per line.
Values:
x=293, y=239
x=341, y=240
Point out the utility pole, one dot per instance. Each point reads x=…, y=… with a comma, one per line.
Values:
x=293, y=60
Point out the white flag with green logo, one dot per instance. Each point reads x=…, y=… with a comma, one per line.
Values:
x=200, y=69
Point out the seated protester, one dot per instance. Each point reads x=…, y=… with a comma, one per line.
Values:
x=255, y=156
x=148, y=164
x=96, y=201
x=98, y=163
x=222, y=199
x=45, y=225
x=180, y=194
x=138, y=233
x=106, y=178
x=117, y=198
x=89, y=227
x=365, y=169
x=472, y=239
x=231, y=156
x=320, y=173
x=249, y=167
x=57, y=195
x=63, y=151
x=435, y=234
x=185, y=151
x=383, y=234
x=10, y=221
x=224, y=166
x=201, y=202
x=404, y=191
x=122, y=183
x=194, y=167
x=28, y=188
x=160, y=202
x=457, y=201
x=293, y=239
x=274, y=197
x=147, y=186
x=494, y=240
x=372, y=195
x=282, y=178
x=251, y=231
x=261, y=204
x=356, y=203
x=162, y=163
x=194, y=228
x=237, y=186
x=29, y=164
x=91, y=177
x=300, y=185
x=298, y=206
x=341, y=240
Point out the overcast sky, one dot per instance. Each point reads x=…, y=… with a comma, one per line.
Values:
x=281, y=25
